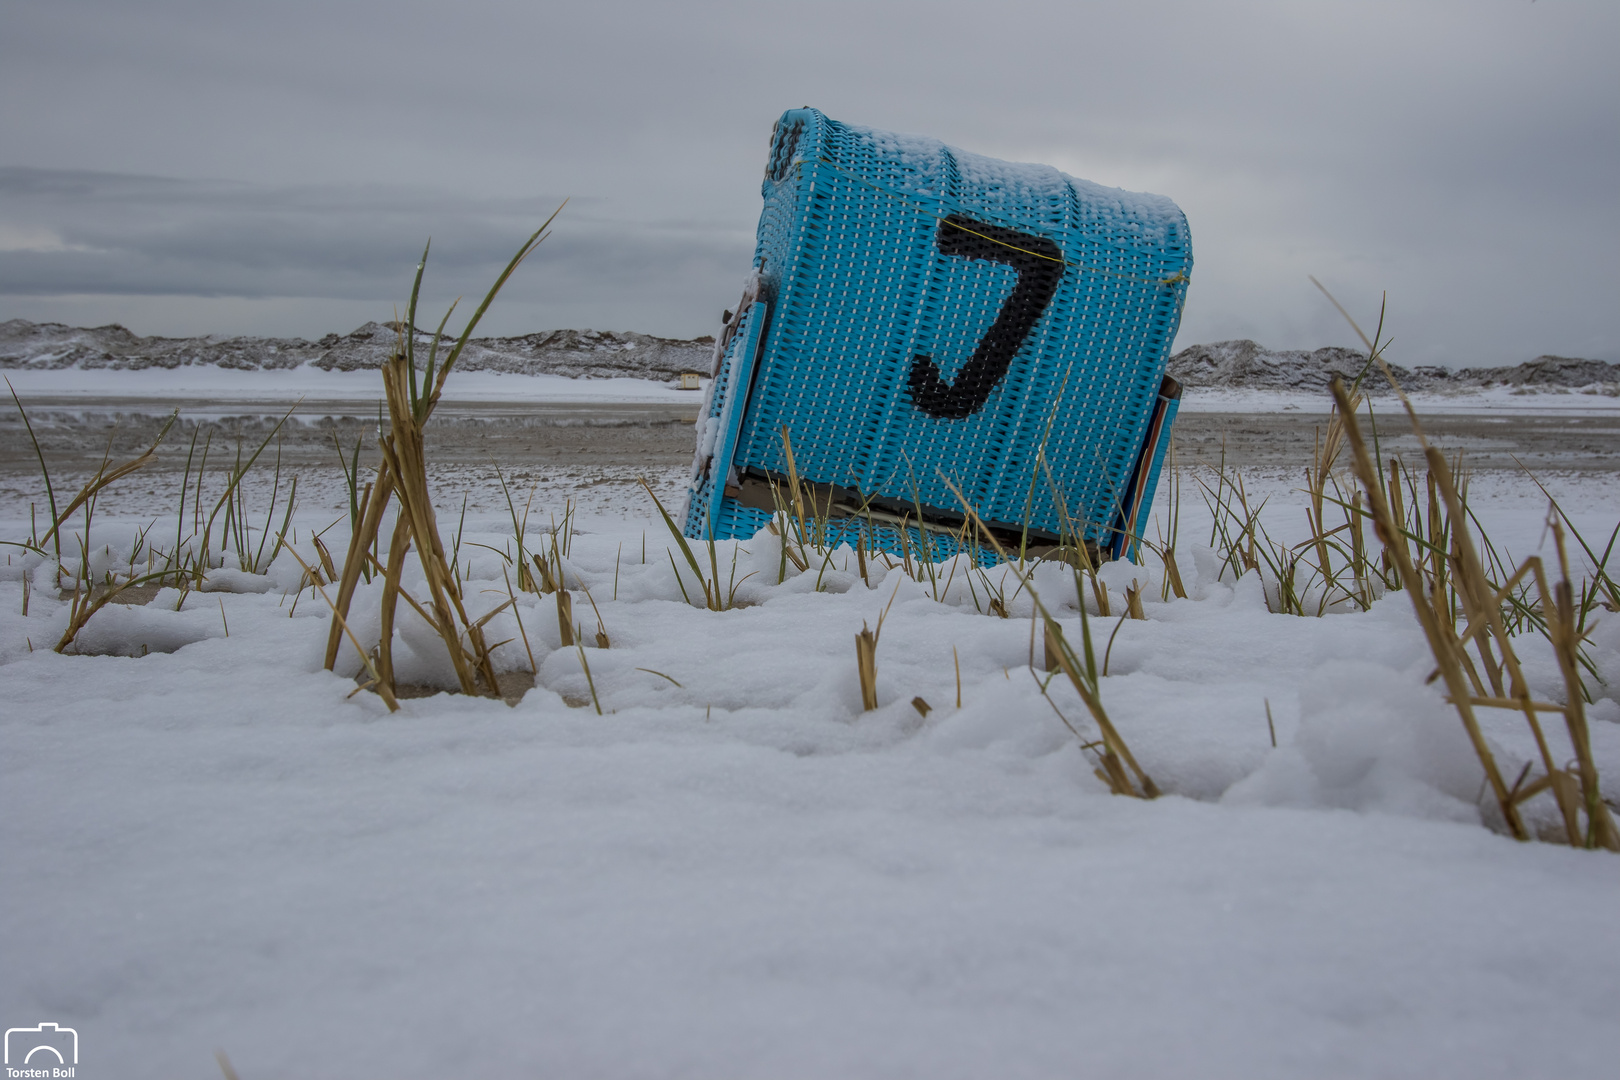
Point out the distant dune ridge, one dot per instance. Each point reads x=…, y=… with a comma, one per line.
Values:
x=588, y=354
x=1244, y=365
x=596, y=354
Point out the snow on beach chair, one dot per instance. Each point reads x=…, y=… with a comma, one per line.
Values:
x=918, y=317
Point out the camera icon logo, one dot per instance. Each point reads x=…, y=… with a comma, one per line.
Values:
x=42, y=1044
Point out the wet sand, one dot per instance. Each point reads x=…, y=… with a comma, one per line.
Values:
x=1556, y=443
x=74, y=433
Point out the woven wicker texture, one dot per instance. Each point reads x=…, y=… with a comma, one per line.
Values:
x=935, y=315
x=720, y=417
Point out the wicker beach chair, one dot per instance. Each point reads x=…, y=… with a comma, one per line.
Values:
x=919, y=317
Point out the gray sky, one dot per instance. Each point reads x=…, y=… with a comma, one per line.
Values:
x=201, y=166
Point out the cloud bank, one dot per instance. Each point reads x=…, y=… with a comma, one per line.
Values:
x=189, y=166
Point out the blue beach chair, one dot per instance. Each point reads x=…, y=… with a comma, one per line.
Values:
x=919, y=317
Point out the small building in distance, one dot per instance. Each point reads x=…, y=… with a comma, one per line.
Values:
x=691, y=380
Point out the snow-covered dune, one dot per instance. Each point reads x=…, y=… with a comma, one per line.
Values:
x=1245, y=365
x=591, y=354
x=1232, y=367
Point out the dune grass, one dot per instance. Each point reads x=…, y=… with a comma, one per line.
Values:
x=1375, y=525
x=413, y=391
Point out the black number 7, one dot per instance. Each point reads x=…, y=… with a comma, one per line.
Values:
x=1039, y=263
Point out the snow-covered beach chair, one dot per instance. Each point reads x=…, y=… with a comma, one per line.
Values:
x=919, y=317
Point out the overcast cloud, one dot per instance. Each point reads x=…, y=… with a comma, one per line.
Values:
x=191, y=166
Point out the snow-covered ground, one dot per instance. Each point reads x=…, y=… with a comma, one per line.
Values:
x=735, y=871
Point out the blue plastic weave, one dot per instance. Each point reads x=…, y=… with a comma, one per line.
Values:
x=919, y=315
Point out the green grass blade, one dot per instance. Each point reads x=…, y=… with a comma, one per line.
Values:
x=410, y=321
x=449, y=361
x=686, y=549
x=50, y=492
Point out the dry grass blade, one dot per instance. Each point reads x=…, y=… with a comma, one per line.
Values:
x=86, y=602
x=548, y=583
x=391, y=590
x=866, y=666
x=1447, y=570
x=517, y=613
x=602, y=639
x=1472, y=586
x=715, y=596
x=585, y=666
x=565, y=617
x=1603, y=589
x=105, y=476
x=361, y=541
x=403, y=475
x=483, y=620
x=1442, y=645
x=661, y=675
x=956, y=663
x=1327, y=455
x=1559, y=605
x=1133, y=602
x=866, y=643
x=384, y=688
x=798, y=488
x=1115, y=756
x=326, y=559
x=404, y=450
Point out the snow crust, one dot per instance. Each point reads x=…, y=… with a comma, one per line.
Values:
x=923, y=162
x=217, y=845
